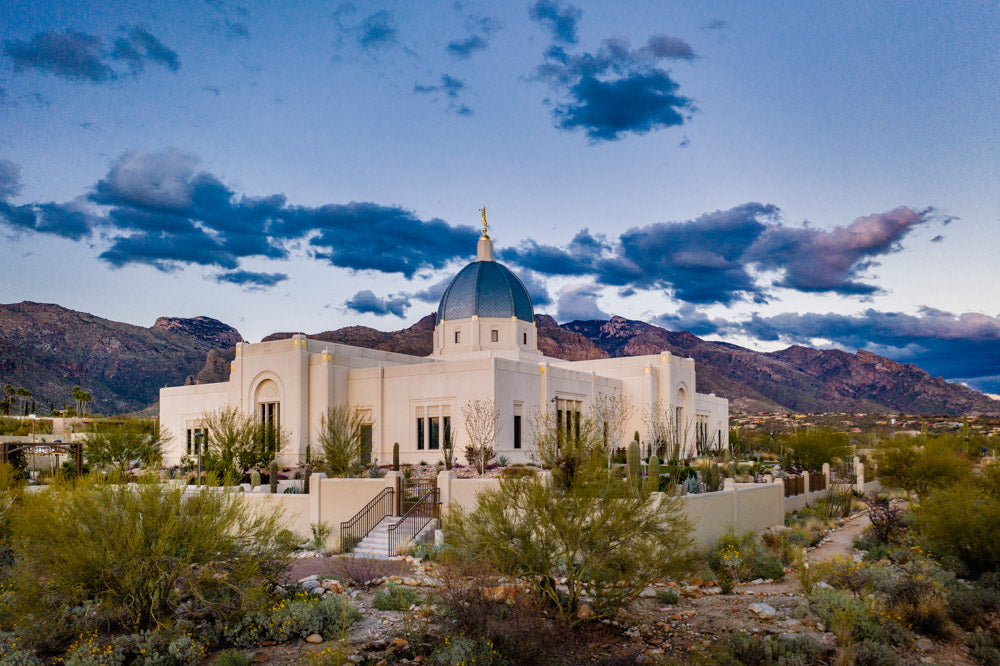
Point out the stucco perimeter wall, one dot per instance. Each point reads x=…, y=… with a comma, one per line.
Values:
x=759, y=506
x=294, y=510
x=711, y=515
x=464, y=491
x=337, y=500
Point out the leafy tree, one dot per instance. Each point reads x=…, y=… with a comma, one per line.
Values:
x=591, y=527
x=482, y=421
x=809, y=449
x=339, y=440
x=117, y=447
x=921, y=464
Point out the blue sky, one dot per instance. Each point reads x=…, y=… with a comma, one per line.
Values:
x=762, y=173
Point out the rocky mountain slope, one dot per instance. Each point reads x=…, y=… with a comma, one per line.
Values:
x=48, y=349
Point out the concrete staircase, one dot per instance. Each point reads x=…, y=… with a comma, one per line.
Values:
x=376, y=544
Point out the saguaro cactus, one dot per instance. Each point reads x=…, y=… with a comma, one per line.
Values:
x=395, y=457
x=254, y=479
x=653, y=474
x=273, y=473
x=633, y=462
x=305, y=483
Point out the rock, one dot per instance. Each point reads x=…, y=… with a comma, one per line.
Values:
x=398, y=643
x=307, y=579
x=504, y=593
x=691, y=591
x=411, y=582
x=763, y=611
x=355, y=658
x=310, y=584
x=924, y=645
x=318, y=591
x=584, y=611
x=697, y=582
x=314, y=638
x=757, y=581
x=333, y=585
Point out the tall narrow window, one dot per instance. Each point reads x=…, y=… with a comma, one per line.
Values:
x=525, y=338
x=494, y=335
x=420, y=428
x=446, y=422
x=434, y=423
x=517, y=431
x=458, y=336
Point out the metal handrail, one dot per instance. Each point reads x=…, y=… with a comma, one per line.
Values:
x=413, y=521
x=364, y=521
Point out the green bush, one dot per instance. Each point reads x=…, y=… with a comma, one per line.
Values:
x=920, y=464
x=12, y=654
x=873, y=653
x=744, y=558
x=394, y=597
x=233, y=658
x=960, y=524
x=461, y=650
x=136, y=557
x=809, y=449
x=668, y=596
x=855, y=619
x=969, y=605
x=985, y=648
x=741, y=648
x=298, y=617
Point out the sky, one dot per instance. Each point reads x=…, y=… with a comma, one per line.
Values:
x=819, y=173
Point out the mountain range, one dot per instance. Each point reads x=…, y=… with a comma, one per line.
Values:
x=49, y=349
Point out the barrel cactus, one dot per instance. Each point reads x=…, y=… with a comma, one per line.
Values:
x=254, y=479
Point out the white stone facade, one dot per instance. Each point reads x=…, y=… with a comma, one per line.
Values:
x=417, y=402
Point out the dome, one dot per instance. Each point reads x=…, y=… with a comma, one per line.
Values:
x=487, y=289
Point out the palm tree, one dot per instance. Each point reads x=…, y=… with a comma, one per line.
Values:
x=76, y=398
x=10, y=391
x=85, y=398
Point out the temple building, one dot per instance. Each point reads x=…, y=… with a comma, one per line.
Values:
x=485, y=348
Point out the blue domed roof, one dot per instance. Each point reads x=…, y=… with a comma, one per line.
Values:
x=486, y=289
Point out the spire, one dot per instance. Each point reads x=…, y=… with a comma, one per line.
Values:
x=484, y=249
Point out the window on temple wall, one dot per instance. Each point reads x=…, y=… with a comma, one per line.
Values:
x=196, y=441
x=458, y=337
x=269, y=414
x=434, y=428
x=494, y=335
x=420, y=428
x=446, y=423
x=525, y=338
x=568, y=419
x=701, y=433
x=518, y=407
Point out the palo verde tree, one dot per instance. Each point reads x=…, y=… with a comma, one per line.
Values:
x=237, y=442
x=482, y=422
x=809, y=449
x=117, y=447
x=339, y=440
x=587, y=524
x=921, y=464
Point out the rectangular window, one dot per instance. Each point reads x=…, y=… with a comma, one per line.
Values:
x=494, y=335
x=517, y=431
x=458, y=336
x=435, y=432
x=196, y=441
x=525, y=338
x=447, y=431
x=420, y=428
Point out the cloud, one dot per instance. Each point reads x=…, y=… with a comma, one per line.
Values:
x=719, y=256
x=956, y=346
x=10, y=179
x=579, y=303
x=464, y=48
x=377, y=31
x=617, y=90
x=252, y=280
x=71, y=55
x=716, y=25
x=68, y=220
x=561, y=21
x=451, y=88
x=689, y=318
x=366, y=302
x=537, y=289
x=81, y=57
x=139, y=46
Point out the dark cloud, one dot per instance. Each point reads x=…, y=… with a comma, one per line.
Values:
x=689, y=318
x=537, y=289
x=10, y=179
x=72, y=55
x=464, y=48
x=366, y=302
x=716, y=25
x=140, y=46
x=617, y=90
x=67, y=220
x=377, y=31
x=937, y=239
x=715, y=258
x=579, y=303
x=561, y=21
x=252, y=280
x=964, y=346
x=451, y=88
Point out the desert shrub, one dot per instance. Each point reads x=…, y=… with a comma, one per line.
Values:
x=668, y=596
x=809, y=449
x=742, y=648
x=515, y=620
x=607, y=538
x=872, y=547
x=118, y=446
x=742, y=558
x=969, y=605
x=853, y=619
x=137, y=557
x=233, y=658
x=873, y=653
x=339, y=448
x=462, y=650
x=89, y=650
x=922, y=604
x=12, y=653
x=886, y=519
x=786, y=544
x=363, y=570
x=960, y=524
x=920, y=464
x=858, y=578
x=297, y=617
x=985, y=648
x=394, y=597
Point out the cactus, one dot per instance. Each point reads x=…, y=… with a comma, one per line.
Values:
x=633, y=463
x=653, y=474
x=273, y=473
x=395, y=457
x=691, y=486
x=254, y=479
x=308, y=454
x=305, y=482
x=636, y=436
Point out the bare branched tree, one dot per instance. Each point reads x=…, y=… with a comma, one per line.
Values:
x=482, y=422
x=610, y=413
x=666, y=434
